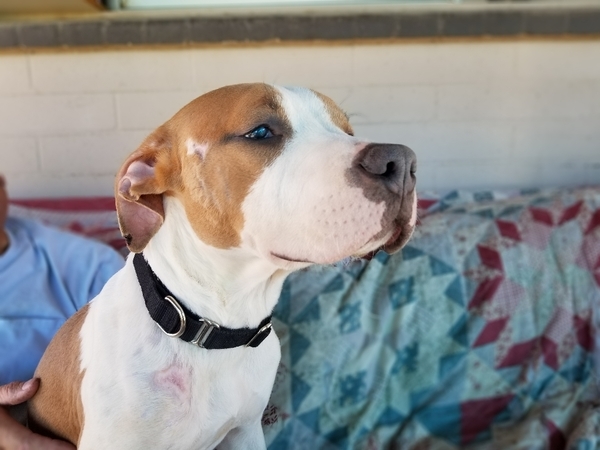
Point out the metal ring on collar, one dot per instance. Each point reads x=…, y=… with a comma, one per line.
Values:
x=181, y=314
x=259, y=332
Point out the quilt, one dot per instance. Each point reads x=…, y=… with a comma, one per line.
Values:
x=479, y=334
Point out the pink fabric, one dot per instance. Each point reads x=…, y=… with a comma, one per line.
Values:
x=94, y=217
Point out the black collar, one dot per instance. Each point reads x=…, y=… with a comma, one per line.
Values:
x=176, y=320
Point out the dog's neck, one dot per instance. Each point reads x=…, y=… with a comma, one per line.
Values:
x=233, y=287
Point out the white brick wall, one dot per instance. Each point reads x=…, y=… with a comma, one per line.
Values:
x=479, y=114
x=14, y=75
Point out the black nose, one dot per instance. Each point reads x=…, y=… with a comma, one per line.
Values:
x=392, y=165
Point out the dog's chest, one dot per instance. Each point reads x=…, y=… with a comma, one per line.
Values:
x=199, y=402
x=159, y=392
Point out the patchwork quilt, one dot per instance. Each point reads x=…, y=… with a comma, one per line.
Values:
x=482, y=333
x=478, y=334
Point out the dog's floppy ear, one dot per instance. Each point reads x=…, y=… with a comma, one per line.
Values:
x=139, y=189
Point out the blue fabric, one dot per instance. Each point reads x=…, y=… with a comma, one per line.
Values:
x=482, y=333
x=46, y=275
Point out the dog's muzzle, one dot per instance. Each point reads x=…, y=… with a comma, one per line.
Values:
x=389, y=165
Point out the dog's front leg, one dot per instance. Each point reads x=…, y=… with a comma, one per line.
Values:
x=250, y=437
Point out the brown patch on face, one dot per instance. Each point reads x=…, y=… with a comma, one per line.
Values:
x=56, y=409
x=213, y=186
x=338, y=117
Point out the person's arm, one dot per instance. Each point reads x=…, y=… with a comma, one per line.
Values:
x=15, y=436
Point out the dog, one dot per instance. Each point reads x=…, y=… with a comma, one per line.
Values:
x=244, y=185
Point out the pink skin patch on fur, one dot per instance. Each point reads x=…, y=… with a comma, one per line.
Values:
x=174, y=380
x=174, y=385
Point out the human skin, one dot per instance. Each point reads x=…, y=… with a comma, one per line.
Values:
x=13, y=435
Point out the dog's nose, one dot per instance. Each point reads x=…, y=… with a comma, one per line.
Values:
x=392, y=165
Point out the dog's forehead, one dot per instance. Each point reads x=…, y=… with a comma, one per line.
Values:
x=227, y=109
x=234, y=107
x=304, y=106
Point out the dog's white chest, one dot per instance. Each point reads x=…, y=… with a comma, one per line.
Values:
x=153, y=391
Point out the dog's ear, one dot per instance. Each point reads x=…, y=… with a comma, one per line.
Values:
x=139, y=189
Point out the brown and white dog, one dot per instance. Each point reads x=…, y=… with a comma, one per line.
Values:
x=242, y=186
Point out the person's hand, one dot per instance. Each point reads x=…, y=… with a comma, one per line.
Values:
x=15, y=436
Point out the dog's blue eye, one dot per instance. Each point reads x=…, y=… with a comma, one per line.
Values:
x=260, y=132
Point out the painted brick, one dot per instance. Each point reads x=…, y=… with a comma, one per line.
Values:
x=148, y=110
x=39, y=34
x=167, y=31
x=545, y=22
x=558, y=60
x=39, y=114
x=8, y=36
x=58, y=185
x=373, y=26
x=519, y=99
x=213, y=29
x=584, y=22
x=97, y=154
x=390, y=104
x=14, y=74
x=306, y=66
x=125, y=32
x=112, y=71
x=548, y=139
x=18, y=155
x=470, y=101
x=503, y=23
x=471, y=141
x=466, y=24
x=478, y=114
x=448, y=141
x=563, y=171
x=432, y=63
x=465, y=174
x=82, y=33
x=413, y=135
x=338, y=94
x=506, y=174
x=418, y=25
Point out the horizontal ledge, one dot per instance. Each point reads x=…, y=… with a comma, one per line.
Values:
x=132, y=29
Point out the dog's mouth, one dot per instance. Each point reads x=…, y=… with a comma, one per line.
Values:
x=292, y=260
x=396, y=241
x=401, y=227
x=398, y=238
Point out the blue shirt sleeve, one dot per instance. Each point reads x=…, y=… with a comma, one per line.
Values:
x=46, y=275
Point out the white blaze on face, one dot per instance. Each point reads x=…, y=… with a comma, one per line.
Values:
x=194, y=148
x=302, y=206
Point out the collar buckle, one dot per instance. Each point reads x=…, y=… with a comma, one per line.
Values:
x=207, y=327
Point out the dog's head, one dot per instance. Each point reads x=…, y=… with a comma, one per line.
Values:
x=273, y=170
